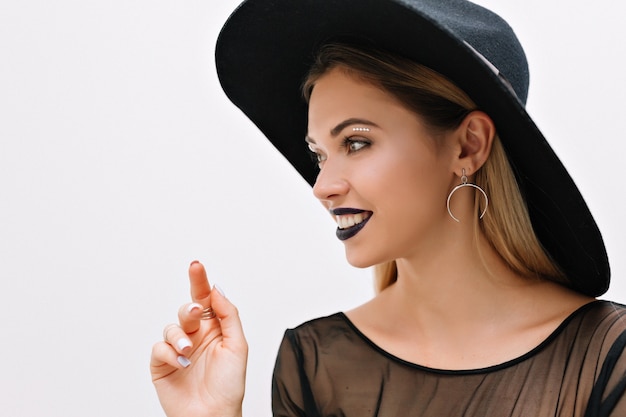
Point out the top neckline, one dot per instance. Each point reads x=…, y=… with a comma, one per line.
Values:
x=489, y=369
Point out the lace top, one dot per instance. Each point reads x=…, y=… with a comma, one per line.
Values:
x=327, y=367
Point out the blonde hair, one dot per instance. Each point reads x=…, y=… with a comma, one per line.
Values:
x=443, y=106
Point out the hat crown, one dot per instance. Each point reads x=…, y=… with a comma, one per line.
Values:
x=486, y=33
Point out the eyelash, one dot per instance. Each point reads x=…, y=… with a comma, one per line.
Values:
x=351, y=140
x=347, y=144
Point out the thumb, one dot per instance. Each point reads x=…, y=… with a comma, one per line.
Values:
x=232, y=329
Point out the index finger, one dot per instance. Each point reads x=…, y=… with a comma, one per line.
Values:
x=200, y=288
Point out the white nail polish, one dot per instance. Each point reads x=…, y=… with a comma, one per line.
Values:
x=221, y=291
x=183, y=361
x=192, y=306
x=182, y=344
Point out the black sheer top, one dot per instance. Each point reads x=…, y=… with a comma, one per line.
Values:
x=327, y=367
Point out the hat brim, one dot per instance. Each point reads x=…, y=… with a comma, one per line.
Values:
x=266, y=48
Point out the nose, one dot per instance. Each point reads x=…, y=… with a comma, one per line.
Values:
x=331, y=182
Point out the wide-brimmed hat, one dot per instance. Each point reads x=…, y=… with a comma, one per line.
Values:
x=266, y=48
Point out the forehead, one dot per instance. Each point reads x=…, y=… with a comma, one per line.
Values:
x=338, y=95
x=345, y=78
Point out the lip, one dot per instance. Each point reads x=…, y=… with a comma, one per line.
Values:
x=346, y=210
x=345, y=234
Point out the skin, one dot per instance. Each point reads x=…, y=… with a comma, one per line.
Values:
x=400, y=172
x=456, y=304
x=213, y=384
x=473, y=311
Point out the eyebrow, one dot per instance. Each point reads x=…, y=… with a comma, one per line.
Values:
x=335, y=131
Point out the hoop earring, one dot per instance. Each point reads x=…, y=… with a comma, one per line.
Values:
x=464, y=183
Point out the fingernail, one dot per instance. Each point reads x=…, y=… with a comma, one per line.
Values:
x=183, y=361
x=194, y=306
x=221, y=291
x=194, y=262
x=183, y=343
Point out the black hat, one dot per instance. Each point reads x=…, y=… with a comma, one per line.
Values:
x=266, y=48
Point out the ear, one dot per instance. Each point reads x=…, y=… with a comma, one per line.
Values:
x=475, y=136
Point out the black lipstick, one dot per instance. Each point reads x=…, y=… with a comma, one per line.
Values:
x=347, y=233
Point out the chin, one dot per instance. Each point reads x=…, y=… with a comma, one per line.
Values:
x=359, y=259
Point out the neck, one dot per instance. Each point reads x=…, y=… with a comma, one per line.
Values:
x=465, y=284
x=463, y=308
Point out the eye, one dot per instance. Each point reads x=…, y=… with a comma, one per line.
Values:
x=316, y=157
x=353, y=144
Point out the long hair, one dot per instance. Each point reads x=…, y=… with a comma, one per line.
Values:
x=443, y=106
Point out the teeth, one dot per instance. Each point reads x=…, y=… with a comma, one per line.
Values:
x=349, y=220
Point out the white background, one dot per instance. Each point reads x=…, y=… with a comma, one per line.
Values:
x=121, y=161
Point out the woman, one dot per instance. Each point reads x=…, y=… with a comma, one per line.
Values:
x=487, y=259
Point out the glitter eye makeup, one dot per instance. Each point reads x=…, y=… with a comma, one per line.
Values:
x=360, y=129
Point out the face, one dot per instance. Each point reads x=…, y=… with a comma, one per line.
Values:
x=384, y=176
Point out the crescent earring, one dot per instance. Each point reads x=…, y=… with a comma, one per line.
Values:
x=464, y=183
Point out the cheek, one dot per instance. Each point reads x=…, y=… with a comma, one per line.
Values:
x=409, y=184
x=407, y=170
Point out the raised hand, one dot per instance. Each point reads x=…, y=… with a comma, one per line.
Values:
x=200, y=367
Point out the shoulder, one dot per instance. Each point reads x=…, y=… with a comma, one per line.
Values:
x=324, y=321
x=601, y=327
x=604, y=307
x=316, y=340
x=600, y=317
x=325, y=339
x=595, y=327
x=597, y=334
x=320, y=330
x=608, y=323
